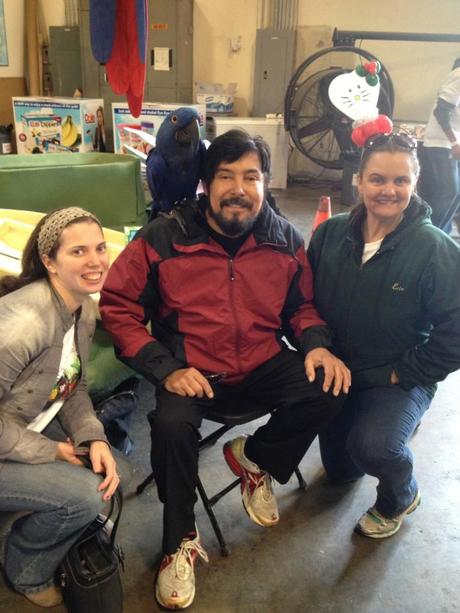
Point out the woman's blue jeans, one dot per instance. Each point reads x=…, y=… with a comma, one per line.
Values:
x=58, y=500
x=369, y=436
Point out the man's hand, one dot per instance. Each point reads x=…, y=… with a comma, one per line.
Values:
x=66, y=453
x=188, y=382
x=394, y=380
x=102, y=461
x=334, y=370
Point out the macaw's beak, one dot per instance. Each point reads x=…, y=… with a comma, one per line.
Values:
x=189, y=136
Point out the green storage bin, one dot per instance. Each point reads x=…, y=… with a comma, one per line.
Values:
x=108, y=185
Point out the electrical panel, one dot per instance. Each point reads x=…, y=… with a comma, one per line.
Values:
x=64, y=65
x=273, y=69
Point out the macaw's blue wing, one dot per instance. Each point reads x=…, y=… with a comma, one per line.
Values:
x=141, y=24
x=156, y=171
x=102, y=28
x=169, y=185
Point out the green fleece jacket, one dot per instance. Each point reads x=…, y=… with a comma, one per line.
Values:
x=398, y=311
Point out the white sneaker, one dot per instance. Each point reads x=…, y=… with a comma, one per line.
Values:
x=256, y=485
x=376, y=526
x=175, y=581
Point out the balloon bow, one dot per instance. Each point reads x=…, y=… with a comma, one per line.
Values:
x=356, y=95
x=380, y=125
x=370, y=71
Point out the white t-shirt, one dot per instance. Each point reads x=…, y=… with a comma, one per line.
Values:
x=68, y=376
x=450, y=92
x=370, y=249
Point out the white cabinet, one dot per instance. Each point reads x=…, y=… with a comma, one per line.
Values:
x=272, y=131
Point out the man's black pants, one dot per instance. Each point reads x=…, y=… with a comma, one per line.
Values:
x=276, y=447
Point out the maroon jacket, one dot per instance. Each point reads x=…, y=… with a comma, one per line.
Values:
x=208, y=310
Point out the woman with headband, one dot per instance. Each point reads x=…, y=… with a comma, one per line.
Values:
x=47, y=321
x=385, y=281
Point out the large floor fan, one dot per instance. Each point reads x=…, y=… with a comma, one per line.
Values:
x=318, y=129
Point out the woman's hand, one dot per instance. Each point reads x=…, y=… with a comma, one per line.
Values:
x=103, y=461
x=66, y=453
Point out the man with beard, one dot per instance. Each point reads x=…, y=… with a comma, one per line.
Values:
x=221, y=280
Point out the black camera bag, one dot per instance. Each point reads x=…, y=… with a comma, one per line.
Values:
x=90, y=572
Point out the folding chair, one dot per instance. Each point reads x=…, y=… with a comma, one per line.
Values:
x=236, y=416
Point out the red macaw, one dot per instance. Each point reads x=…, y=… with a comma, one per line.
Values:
x=119, y=40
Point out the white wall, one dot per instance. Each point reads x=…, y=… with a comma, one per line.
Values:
x=417, y=69
x=216, y=23
x=52, y=12
x=14, y=22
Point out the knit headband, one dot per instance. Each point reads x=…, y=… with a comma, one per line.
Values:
x=55, y=224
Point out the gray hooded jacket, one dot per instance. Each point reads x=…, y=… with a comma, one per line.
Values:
x=33, y=322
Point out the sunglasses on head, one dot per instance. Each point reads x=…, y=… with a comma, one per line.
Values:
x=400, y=139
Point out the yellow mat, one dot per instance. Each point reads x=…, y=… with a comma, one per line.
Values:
x=15, y=229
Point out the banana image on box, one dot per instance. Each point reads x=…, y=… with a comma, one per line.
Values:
x=69, y=132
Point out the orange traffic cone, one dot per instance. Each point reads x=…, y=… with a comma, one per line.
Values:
x=323, y=212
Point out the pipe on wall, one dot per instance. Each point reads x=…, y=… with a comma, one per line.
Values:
x=280, y=14
x=33, y=54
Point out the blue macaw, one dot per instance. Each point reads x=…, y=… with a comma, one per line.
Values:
x=173, y=165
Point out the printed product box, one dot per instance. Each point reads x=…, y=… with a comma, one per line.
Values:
x=150, y=119
x=217, y=98
x=51, y=125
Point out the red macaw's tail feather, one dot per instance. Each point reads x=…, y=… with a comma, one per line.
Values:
x=126, y=67
x=117, y=67
x=102, y=28
x=134, y=103
x=138, y=51
x=137, y=81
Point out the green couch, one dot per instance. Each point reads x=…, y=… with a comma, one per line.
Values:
x=104, y=371
x=108, y=185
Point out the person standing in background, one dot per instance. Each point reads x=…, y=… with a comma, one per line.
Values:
x=440, y=155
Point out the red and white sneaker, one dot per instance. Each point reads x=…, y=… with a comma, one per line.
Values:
x=175, y=581
x=256, y=485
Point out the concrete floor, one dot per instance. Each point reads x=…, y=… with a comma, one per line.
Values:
x=312, y=561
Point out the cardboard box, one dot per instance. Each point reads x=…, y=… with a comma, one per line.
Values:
x=150, y=119
x=414, y=129
x=217, y=98
x=55, y=125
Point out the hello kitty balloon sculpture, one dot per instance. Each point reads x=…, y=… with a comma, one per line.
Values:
x=356, y=94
